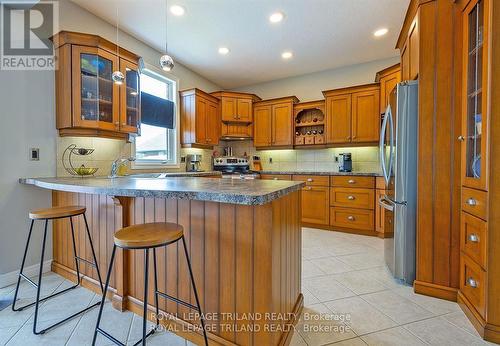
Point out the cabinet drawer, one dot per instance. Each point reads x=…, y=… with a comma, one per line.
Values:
x=352, y=198
x=473, y=283
x=474, y=202
x=352, y=181
x=313, y=180
x=276, y=176
x=474, y=238
x=352, y=218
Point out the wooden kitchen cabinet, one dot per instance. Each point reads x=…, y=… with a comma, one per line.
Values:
x=352, y=114
x=200, y=121
x=273, y=122
x=388, y=78
x=88, y=103
x=315, y=205
x=410, y=51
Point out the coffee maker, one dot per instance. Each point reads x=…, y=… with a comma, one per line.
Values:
x=345, y=162
x=193, y=163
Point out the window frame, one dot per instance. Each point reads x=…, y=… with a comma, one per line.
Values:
x=173, y=135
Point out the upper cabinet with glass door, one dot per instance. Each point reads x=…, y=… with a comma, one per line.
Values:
x=88, y=102
x=474, y=119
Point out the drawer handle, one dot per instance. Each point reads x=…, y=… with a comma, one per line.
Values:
x=309, y=179
x=350, y=218
x=461, y=138
x=308, y=187
x=474, y=238
x=472, y=202
x=471, y=282
x=351, y=181
x=351, y=198
x=275, y=178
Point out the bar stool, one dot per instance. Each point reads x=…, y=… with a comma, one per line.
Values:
x=52, y=214
x=145, y=237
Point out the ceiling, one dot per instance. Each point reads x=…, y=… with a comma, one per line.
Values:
x=322, y=34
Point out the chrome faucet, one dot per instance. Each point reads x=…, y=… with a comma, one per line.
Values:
x=117, y=164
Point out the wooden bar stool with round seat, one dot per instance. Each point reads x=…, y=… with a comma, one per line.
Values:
x=145, y=237
x=52, y=214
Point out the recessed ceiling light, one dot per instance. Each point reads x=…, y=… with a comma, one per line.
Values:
x=276, y=17
x=380, y=32
x=223, y=50
x=287, y=55
x=177, y=10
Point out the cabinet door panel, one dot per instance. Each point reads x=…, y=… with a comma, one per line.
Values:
x=338, y=119
x=365, y=116
x=386, y=85
x=405, y=63
x=130, y=106
x=262, y=126
x=201, y=120
x=229, y=106
x=413, y=42
x=315, y=205
x=96, y=100
x=282, y=124
x=212, y=124
x=244, y=107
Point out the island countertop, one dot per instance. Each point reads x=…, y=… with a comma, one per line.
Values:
x=246, y=192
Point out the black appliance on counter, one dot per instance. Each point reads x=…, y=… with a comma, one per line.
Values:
x=345, y=162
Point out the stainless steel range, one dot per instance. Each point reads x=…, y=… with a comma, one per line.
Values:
x=233, y=167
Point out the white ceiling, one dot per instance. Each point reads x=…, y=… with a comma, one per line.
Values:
x=323, y=34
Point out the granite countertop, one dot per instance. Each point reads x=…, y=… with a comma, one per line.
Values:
x=247, y=192
x=312, y=172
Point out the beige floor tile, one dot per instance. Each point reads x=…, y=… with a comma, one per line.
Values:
x=396, y=307
x=297, y=340
x=434, y=305
x=309, y=270
x=460, y=320
x=392, y=337
x=326, y=288
x=318, y=326
x=54, y=337
x=331, y=265
x=364, y=318
x=382, y=274
x=7, y=333
x=9, y=318
x=158, y=338
x=363, y=260
x=314, y=252
x=309, y=298
x=359, y=283
x=438, y=331
x=350, y=342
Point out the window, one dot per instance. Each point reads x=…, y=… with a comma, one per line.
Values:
x=156, y=146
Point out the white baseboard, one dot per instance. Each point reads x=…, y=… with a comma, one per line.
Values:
x=8, y=279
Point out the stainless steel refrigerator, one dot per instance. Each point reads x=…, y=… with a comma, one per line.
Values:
x=398, y=158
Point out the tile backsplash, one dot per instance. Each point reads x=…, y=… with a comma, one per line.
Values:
x=365, y=159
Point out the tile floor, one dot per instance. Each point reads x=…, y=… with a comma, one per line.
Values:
x=349, y=298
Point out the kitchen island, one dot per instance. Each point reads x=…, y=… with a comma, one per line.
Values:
x=243, y=237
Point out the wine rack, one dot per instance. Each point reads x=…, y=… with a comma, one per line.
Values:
x=309, y=123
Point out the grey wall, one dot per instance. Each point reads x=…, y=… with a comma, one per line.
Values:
x=308, y=87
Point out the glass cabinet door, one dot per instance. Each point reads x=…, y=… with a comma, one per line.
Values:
x=474, y=118
x=130, y=98
x=95, y=95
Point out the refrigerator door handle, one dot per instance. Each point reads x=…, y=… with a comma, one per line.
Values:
x=397, y=202
x=385, y=203
x=387, y=121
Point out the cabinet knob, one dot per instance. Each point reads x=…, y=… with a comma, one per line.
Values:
x=471, y=282
x=353, y=137
x=473, y=238
x=461, y=138
x=472, y=202
x=351, y=198
x=348, y=138
x=350, y=218
x=124, y=124
x=275, y=178
x=351, y=181
x=308, y=188
x=117, y=123
x=309, y=179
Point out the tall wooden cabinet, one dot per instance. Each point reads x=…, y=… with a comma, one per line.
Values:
x=273, y=122
x=388, y=78
x=352, y=114
x=88, y=103
x=479, y=291
x=200, y=119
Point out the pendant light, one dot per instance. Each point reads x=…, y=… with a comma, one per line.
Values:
x=117, y=75
x=166, y=61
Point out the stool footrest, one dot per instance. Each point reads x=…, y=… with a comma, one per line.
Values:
x=70, y=317
x=177, y=300
x=28, y=279
x=46, y=298
x=86, y=261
